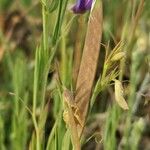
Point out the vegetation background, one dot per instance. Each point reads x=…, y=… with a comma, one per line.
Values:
x=41, y=44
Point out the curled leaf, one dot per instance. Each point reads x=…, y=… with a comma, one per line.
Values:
x=119, y=95
x=69, y=102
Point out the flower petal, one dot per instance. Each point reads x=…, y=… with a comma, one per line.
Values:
x=82, y=6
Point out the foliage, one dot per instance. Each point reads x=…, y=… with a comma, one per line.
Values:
x=40, y=94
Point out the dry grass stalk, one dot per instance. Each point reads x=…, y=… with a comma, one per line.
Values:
x=137, y=17
x=89, y=61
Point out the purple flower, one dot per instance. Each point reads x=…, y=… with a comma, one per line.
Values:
x=82, y=6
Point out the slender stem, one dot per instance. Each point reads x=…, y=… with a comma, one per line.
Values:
x=64, y=60
x=45, y=32
x=37, y=133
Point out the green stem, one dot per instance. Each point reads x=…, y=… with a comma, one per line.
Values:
x=45, y=32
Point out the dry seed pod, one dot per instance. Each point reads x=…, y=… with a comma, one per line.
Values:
x=119, y=95
x=89, y=60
